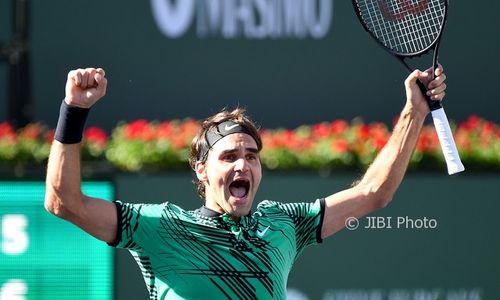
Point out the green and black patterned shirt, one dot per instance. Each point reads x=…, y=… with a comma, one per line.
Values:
x=203, y=254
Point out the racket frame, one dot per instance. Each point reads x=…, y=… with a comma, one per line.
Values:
x=441, y=123
x=434, y=44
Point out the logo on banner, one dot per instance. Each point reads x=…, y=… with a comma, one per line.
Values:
x=251, y=19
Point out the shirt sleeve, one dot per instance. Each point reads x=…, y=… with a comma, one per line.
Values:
x=307, y=219
x=136, y=223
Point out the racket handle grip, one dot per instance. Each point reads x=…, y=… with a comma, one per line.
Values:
x=445, y=136
x=447, y=142
x=433, y=104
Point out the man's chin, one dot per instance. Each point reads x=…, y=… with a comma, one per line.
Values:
x=240, y=206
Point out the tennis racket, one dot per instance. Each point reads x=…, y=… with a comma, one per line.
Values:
x=408, y=29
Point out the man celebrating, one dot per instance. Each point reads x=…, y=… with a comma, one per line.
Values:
x=222, y=250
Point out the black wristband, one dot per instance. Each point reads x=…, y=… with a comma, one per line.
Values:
x=71, y=123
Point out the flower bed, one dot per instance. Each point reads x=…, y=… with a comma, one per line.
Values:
x=151, y=145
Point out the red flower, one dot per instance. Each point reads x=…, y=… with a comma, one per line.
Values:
x=290, y=139
x=50, y=135
x=321, y=130
x=363, y=132
x=96, y=135
x=140, y=129
x=188, y=130
x=7, y=131
x=31, y=132
x=428, y=140
x=379, y=142
x=378, y=130
x=179, y=134
x=284, y=138
x=165, y=130
x=340, y=145
x=190, y=127
x=339, y=126
x=267, y=139
x=471, y=123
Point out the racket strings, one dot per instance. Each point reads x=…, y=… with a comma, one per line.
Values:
x=411, y=33
x=402, y=26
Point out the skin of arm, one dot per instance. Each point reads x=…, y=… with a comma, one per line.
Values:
x=63, y=195
x=377, y=187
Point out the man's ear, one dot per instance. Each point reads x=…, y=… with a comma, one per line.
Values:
x=201, y=171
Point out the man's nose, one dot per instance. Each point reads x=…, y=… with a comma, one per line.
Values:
x=241, y=165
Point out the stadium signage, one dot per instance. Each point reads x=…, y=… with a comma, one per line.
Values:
x=249, y=19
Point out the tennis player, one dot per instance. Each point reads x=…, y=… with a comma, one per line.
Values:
x=222, y=250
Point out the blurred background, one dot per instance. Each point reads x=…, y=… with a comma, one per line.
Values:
x=289, y=63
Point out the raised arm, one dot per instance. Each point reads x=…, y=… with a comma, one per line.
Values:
x=63, y=195
x=377, y=187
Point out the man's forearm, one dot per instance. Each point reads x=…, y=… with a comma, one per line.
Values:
x=385, y=174
x=63, y=181
x=63, y=195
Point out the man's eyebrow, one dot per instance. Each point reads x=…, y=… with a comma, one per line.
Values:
x=253, y=150
x=249, y=149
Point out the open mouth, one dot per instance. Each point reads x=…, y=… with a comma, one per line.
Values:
x=239, y=188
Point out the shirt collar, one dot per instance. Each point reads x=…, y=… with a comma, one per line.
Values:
x=207, y=212
x=210, y=213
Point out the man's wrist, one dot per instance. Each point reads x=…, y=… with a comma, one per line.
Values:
x=414, y=113
x=71, y=123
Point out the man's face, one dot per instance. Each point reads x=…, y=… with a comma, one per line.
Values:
x=231, y=174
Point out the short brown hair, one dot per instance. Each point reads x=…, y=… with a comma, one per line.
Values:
x=200, y=143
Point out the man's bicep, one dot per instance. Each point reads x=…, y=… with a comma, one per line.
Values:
x=98, y=218
x=342, y=207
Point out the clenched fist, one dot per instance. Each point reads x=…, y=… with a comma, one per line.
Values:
x=85, y=86
x=435, y=85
